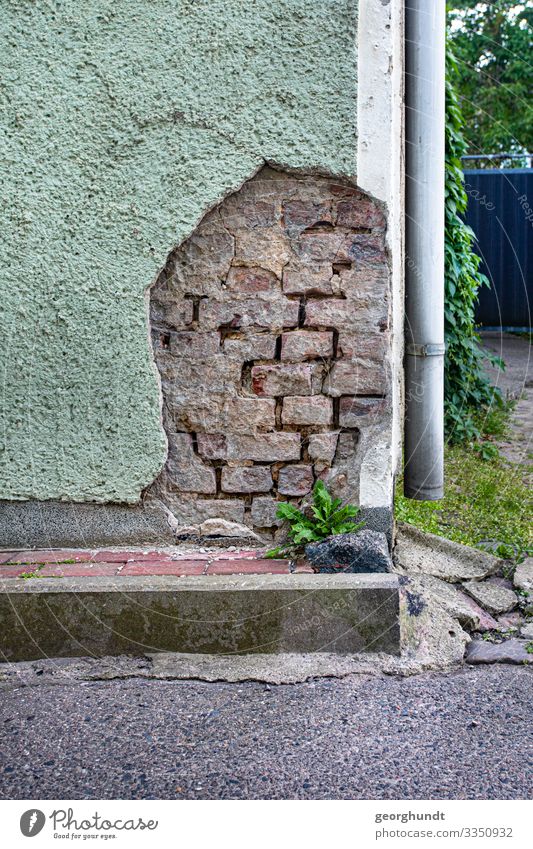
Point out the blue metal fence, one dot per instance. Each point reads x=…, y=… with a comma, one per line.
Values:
x=500, y=212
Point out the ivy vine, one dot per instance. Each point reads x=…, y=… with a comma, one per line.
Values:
x=467, y=389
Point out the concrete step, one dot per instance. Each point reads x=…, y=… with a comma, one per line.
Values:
x=214, y=614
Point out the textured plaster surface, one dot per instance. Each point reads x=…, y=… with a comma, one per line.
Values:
x=122, y=124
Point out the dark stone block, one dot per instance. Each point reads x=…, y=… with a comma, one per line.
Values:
x=365, y=551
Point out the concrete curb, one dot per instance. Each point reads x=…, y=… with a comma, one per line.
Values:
x=69, y=617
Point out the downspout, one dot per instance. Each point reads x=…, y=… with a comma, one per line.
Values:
x=425, y=27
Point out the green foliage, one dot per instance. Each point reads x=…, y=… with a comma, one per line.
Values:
x=466, y=387
x=492, y=43
x=486, y=505
x=329, y=517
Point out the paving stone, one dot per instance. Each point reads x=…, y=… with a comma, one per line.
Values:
x=418, y=552
x=248, y=567
x=523, y=576
x=491, y=596
x=485, y=622
x=526, y=631
x=509, y=651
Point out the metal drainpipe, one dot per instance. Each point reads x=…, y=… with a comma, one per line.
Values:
x=425, y=27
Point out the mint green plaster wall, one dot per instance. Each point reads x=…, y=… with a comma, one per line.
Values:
x=123, y=122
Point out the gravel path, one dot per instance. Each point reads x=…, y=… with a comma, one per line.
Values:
x=463, y=735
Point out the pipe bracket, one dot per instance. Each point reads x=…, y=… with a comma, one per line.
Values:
x=429, y=350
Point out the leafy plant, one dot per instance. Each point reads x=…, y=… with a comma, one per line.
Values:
x=467, y=388
x=330, y=517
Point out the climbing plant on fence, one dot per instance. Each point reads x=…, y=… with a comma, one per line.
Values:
x=466, y=388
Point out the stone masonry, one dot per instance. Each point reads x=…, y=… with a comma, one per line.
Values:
x=270, y=331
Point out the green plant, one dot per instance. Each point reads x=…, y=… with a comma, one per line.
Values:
x=467, y=389
x=329, y=517
x=486, y=451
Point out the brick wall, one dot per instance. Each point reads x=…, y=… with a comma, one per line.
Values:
x=270, y=330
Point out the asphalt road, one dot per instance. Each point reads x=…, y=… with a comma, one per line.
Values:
x=464, y=735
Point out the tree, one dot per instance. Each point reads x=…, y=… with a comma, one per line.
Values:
x=492, y=44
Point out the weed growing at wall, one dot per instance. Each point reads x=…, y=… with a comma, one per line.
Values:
x=329, y=517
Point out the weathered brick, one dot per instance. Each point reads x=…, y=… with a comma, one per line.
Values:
x=339, y=246
x=308, y=279
x=206, y=414
x=361, y=377
x=359, y=412
x=367, y=343
x=264, y=447
x=246, y=479
x=346, y=447
x=167, y=309
x=359, y=212
x=212, y=446
x=203, y=259
x=250, y=346
x=315, y=246
x=268, y=248
x=322, y=446
x=285, y=379
x=300, y=214
x=249, y=211
x=307, y=410
x=194, y=345
x=193, y=511
x=264, y=512
x=247, y=312
x=348, y=314
x=252, y=281
x=306, y=345
x=186, y=470
x=295, y=480
x=332, y=312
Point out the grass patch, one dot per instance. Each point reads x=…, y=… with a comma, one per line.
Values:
x=485, y=501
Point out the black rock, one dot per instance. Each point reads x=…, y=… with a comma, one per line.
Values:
x=364, y=551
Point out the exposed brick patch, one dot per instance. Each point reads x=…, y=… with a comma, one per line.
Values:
x=268, y=325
